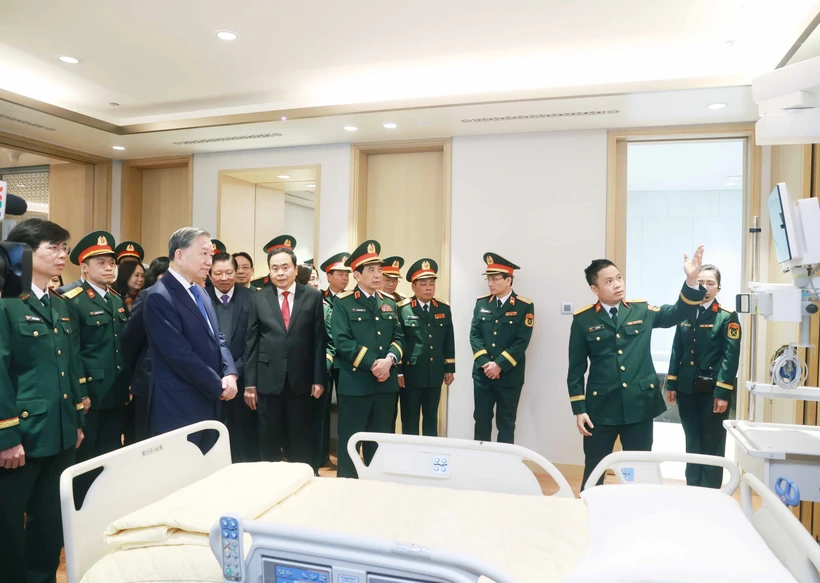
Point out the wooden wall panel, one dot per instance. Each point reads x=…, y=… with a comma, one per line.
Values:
x=166, y=208
x=102, y=196
x=131, y=204
x=71, y=203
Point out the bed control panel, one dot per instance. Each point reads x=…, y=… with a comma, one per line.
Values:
x=278, y=572
x=232, y=556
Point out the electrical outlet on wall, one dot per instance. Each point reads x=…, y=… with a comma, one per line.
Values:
x=566, y=308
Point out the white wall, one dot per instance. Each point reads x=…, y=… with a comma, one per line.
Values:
x=299, y=223
x=538, y=200
x=334, y=200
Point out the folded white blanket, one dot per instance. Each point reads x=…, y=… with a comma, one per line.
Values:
x=189, y=513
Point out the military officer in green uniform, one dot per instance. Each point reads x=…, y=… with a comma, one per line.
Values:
x=429, y=350
x=129, y=251
x=702, y=374
x=338, y=277
x=100, y=314
x=42, y=402
x=613, y=339
x=280, y=241
x=369, y=344
x=500, y=333
x=391, y=274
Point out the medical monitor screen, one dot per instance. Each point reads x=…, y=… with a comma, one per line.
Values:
x=780, y=234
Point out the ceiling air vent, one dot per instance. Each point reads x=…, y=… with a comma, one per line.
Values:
x=227, y=139
x=27, y=123
x=541, y=116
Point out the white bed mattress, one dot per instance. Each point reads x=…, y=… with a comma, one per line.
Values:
x=535, y=538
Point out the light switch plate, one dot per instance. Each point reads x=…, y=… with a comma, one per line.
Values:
x=567, y=308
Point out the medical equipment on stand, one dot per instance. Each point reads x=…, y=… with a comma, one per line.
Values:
x=289, y=554
x=796, y=235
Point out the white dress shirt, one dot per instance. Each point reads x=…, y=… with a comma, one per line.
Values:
x=291, y=295
x=219, y=294
x=504, y=299
x=37, y=291
x=184, y=282
x=100, y=292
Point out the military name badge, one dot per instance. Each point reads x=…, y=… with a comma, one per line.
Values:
x=634, y=323
x=121, y=310
x=65, y=319
x=440, y=316
x=387, y=308
x=529, y=320
x=733, y=331
x=359, y=310
x=98, y=313
x=483, y=311
x=596, y=328
x=511, y=314
x=33, y=319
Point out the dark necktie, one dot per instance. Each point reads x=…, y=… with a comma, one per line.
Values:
x=500, y=303
x=225, y=300
x=201, y=305
x=286, y=309
x=426, y=308
x=46, y=301
x=613, y=313
x=698, y=312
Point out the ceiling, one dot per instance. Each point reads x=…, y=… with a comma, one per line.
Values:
x=682, y=166
x=424, y=66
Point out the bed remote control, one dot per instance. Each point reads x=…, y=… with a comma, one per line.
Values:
x=233, y=556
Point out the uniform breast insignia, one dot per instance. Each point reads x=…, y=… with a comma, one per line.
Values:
x=485, y=311
x=653, y=308
x=440, y=316
x=387, y=308
x=636, y=322
x=90, y=293
x=511, y=314
x=686, y=324
x=65, y=319
x=596, y=328
x=97, y=313
x=73, y=293
x=707, y=325
x=529, y=320
x=33, y=319
x=733, y=331
x=358, y=310
x=121, y=310
x=411, y=317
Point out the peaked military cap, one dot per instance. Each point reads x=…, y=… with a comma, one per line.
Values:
x=336, y=263
x=94, y=244
x=424, y=268
x=365, y=254
x=309, y=262
x=129, y=250
x=497, y=264
x=282, y=241
x=392, y=265
x=218, y=246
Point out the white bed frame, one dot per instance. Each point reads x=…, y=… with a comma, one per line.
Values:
x=133, y=477
x=459, y=464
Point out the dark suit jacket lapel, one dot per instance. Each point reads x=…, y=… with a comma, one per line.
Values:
x=238, y=300
x=604, y=316
x=623, y=315
x=184, y=298
x=272, y=294
x=98, y=300
x=298, y=301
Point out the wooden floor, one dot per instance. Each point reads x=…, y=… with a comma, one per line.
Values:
x=573, y=474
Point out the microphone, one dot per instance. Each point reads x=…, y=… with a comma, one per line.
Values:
x=10, y=204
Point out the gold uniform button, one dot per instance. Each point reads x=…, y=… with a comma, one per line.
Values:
x=62, y=374
x=624, y=385
x=36, y=333
x=55, y=330
x=354, y=369
x=379, y=333
x=496, y=321
x=59, y=353
x=651, y=386
x=431, y=360
x=98, y=322
x=377, y=318
x=637, y=331
x=65, y=396
x=430, y=335
x=594, y=393
x=431, y=348
x=360, y=319
x=24, y=415
x=380, y=348
x=598, y=338
x=620, y=352
x=118, y=367
x=89, y=379
x=692, y=362
x=623, y=368
x=495, y=333
x=617, y=335
x=493, y=345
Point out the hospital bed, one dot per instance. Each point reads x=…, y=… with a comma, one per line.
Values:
x=158, y=500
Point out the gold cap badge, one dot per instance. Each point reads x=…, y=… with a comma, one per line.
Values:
x=101, y=241
x=371, y=248
x=396, y=264
x=130, y=247
x=287, y=242
x=490, y=259
x=425, y=265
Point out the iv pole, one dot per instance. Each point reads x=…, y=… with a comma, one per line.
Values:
x=754, y=231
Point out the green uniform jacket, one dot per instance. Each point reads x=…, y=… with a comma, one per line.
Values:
x=622, y=387
x=502, y=335
x=101, y=323
x=328, y=300
x=711, y=347
x=362, y=333
x=41, y=380
x=429, y=343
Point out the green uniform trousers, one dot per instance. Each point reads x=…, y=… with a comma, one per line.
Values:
x=422, y=401
x=634, y=437
x=505, y=402
x=704, y=434
x=372, y=413
x=30, y=546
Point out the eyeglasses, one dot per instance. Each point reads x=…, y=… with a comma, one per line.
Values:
x=55, y=249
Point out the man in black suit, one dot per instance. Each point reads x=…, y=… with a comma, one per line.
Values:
x=285, y=357
x=232, y=304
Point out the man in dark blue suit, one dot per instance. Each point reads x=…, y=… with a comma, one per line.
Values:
x=192, y=369
x=232, y=306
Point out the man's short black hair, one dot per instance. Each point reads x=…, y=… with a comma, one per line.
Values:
x=595, y=268
x=284, y=250
x=303, y=274
x=361, y=267
x=713, y=269
x=245, y=255
x=33, y=232
x=224, y=257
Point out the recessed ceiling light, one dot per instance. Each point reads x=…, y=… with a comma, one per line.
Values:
x=118, y=147
x=310, y=185
x=69, y=60
x=351, y=128
x=284, y=118
x=716, y=106
x=226, y=35
x=283, y=176
x=390, y=126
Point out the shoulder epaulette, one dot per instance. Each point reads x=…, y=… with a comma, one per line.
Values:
x=73, y=293
x=54, y=292
x=523, y=299
x=344, y=294
x=483, y=297
x=113, y=291
x=405, y=302
x=439, y=300
x=584, y=309
x=640, y=301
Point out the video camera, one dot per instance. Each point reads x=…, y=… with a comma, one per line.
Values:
x=15, y=258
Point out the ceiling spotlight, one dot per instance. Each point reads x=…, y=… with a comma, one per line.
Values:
x=226, y=35
x=351, y=128
x=716, y=106
x=69, y=60
x=390, y=126
x=283, y=176
x=284, y=118
x=118, y=147
x=310, y=186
